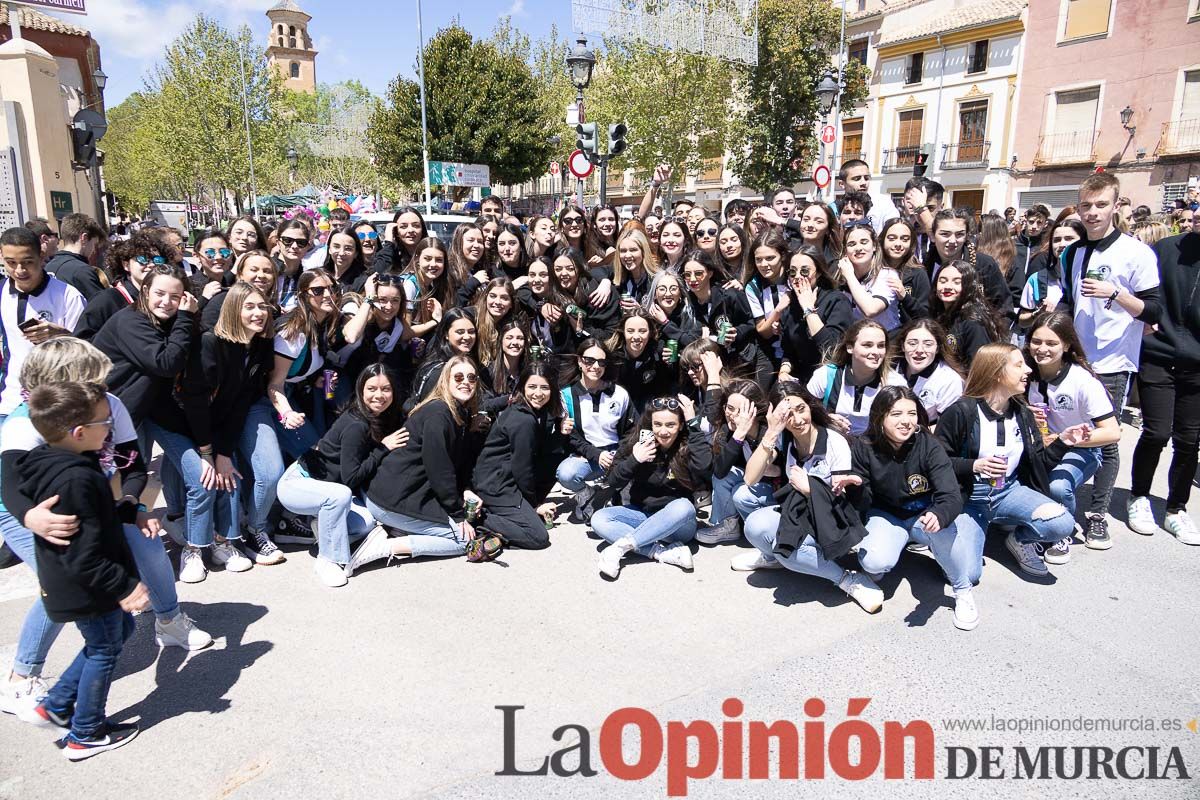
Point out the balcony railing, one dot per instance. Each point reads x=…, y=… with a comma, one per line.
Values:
x=901, y=159
x=1180, y=137
x=1069, y=147
x=965, y=154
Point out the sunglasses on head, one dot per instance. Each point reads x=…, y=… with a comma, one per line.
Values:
x=664, y=404
x=288, y=241
x=144, y=261
x=224, y=252
x=461, y=377
x=367, y=236
x=589, y=361
x=384, y=279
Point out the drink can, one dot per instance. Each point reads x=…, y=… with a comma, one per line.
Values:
x=472, y=508
x=671, y=350
x=549, y=519
x=329, y=376
x=627, y=296
x=998, y=483
x=1094, y=274
x=416, y=346
x=723, y=331
x=574, y=311
x=1044, y=422
x=535, y=352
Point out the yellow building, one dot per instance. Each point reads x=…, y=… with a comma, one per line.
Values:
x=289, y=47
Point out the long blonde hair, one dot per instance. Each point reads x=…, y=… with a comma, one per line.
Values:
x=649, y=260
x=487, y=330
x=987, y=365
x=441, y=391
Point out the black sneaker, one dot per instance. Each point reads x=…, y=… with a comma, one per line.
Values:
x=582, y=513
x=294, y=530
x=702, y=498
x=1096, y=535
x=110, y=737
x=265, y=551
x=727, y=530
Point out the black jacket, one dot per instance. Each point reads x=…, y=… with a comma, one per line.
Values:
x=807, y=352
x=995, y=287
x=830, y=520
x=914, y=480
x=730, y=306
x=958, y=432
x=599, y=322
x=1177, y=340
x=346, y=454
x=518, y=459
x=653, y=485
x=645, y=378
x=146, y=359
x=74, y=270
x=424, y=479
x=93, y=573
x=104, y=305
x=914, y=303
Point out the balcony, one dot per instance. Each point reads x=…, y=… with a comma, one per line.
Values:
x=901, y=159
x=965, y=155
x=1069, y=147
x=1179, y=138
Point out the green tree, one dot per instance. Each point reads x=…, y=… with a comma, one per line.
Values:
x=480, y=109
x=775, y=142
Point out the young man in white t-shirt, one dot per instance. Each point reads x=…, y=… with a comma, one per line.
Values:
x=1110, y=282
x=855, y=176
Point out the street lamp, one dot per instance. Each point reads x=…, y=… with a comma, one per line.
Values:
x=1126, y=118
x=827, y=92
x=100, y=78
x=580, y=62
x=293, y=159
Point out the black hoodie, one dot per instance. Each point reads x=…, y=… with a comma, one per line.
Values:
x=147, y=358
x=74, y=270
x=424, y=479
x=653, y=485
x=93, y=573
x=1177, y=340
x=914, y=480
x=103, y=306
x=518, y=459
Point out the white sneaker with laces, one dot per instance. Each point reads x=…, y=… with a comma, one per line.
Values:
x=862, y=590
x=609, y=561
x=1028, y=558
x=20, y=697
x=191, y=565
x=232, y=558
x=181, y=632
x=1059, y=552
x=677, y=555
x=1181, y=526
x=331, y=574
x=375, y=547
x=754, y=560
x=966, y=614
x=1141, y=516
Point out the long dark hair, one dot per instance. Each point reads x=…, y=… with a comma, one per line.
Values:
x=585, y=230
x=825, y=279
x=442, y=289
x=616, y=343
x=401, y=256
x=381, y=424
x=580, y=296
x=771, y=238
x=554, y=406
x=497, y=363
x=688, y=241
x=832, y=239
x=301, y=319
x=439, y=344
x=522, y=267
x=908, y=260
x=1063, y=325
x=748, y=389
x=945, y=352
x=1053, y=267
x=784, y=389
x=731, y=269
x=261, y=243
x=359, y=262
x=881, y=406
x=157, y=271
x=596, y=244
x=676, y=455
x=971, y=304
x=571, y=373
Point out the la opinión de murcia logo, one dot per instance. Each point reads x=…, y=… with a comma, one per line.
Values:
x=853, y=749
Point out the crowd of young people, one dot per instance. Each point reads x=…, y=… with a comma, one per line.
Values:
x=840, y=383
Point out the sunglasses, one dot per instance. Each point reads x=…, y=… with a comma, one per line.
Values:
x=588, y=361
x=460, y=377
x=319, y=291
x=799, y=272
x=367, y=236
x=288, y=241
x=144, y=261
x=384, y=279
x=706, y=232
x=224, y=252
x=572, y=220
x=665, y=404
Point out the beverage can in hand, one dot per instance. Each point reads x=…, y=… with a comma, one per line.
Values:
x=471, y=506
x=671, y=350
x=535, y=352
x=998, y=482
x=329, y=377
x=723, y=331
x=1044, y=419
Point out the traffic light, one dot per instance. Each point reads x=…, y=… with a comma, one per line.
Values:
x=83, y=146
x=616, y=138
x=920, y=164
x=587, y=138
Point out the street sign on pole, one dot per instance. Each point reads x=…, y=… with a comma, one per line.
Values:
x=579, y=165
x=450, y=173
x=821, y=176
x=827, y=134
x=554, y=168
x=65, y=6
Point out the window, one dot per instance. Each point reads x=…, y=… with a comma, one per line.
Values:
x=908, y=137
x=852, y=139
x=1075, y=111
x=291, y=30
x=281, y=41
x=281, y=28
x=858, y=51
x=972, y=131
x=1189, y=106
x=916, y=64
x=294, y=70
x=977, y=61
x=292, y=42
x=862, y=5
x=1086, y=18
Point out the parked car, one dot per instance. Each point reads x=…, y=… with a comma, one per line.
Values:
x=440, y=225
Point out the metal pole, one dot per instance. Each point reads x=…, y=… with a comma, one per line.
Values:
x=580, y=116
x=424, y=128
x=837, y=108
x=603, y=180
x=249, y=142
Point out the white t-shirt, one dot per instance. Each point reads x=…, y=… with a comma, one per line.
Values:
x=309, y=358
x=1072, y=397
x=600, y=416
x=937, y=390
x=54, y=301
x=853, y=402
x=830, y=456
x=1111, y=337
x=762, y=301
x=889, y=318
x=1000, y=436
x=19, y=434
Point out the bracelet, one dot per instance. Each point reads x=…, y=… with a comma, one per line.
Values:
x=1112, y=297
x=807, y=311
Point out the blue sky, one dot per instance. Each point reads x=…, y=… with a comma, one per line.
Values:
x=372, y=41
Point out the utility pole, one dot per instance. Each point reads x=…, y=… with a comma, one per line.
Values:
x=249, y=141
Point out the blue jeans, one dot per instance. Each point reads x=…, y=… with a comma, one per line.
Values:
x=1077, y=466
x=762, y=530
x=203, y=506
x=339, y=517
x=958, y=551
x=574, y=471
x=38, y=632
x=425, y=538
x=1014, y=505
x=674, y=522
x=258, y=447
x=85, y=683
x=296, y=443
x=731, y=494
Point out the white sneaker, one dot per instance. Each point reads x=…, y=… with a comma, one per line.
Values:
x=21, y=697
x=749, y=562
x=677, y=555
x=233, y=559
x=181, y=632
x=1028, y=558
x=373, y=548
x=609, y=561
x=862, y=590
x=1141, y=516
x=966, y=615
x=191, y=565
x=331, y=574
x=1181, y=526
x=1059, y=552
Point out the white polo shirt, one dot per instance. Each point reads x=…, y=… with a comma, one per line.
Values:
x=1111, y=337
x=830, y=456
x=1000, y=436
x=853, y=402
x=937, y=387
x=762, y=300
x=879, y=288
x=1072, y=397
x=53, y=301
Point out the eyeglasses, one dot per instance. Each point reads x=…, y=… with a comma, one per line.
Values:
x=144, y=261
x=107, y=421
x=367, y=236
x=470, y=379
x=319, y=291
x=288, y=241
x=589, y=361
x=664, y=404
x=224, y=252
x=572, y=220
x=706, y=233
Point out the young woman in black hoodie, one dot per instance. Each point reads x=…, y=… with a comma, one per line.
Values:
x=908, y=491
x=959, y=305
x=401, y=236
x=570, y=290
x=951, y=232
x=128, y=263
x=455, y=336
x=815, y=313
x=328, y=480
x=639, y=367
x=502, y=374
x=511, y=474
x=898, y=246
x=664, y=462
x=376, y=331
x=718, y=309
x=255, y=268
x=512, y=261
x=420, y=489
x=668, y=305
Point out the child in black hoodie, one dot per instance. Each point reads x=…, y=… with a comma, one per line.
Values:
x=92, y=581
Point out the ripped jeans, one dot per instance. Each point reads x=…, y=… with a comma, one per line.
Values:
x=1015, y=505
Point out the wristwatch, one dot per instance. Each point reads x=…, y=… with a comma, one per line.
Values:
x=806, y=311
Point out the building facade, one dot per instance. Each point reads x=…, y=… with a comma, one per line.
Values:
x=289, y=47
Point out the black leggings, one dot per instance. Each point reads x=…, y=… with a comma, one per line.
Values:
x=1170, y=410
x=520, y=526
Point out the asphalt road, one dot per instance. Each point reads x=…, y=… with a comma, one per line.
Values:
x=388, y=687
